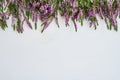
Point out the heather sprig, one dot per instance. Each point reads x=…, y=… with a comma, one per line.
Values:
x=25, y=11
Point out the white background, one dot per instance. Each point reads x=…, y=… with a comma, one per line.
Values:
x=60, y=53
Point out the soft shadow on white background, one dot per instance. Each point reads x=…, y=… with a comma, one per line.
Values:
x=60, y=53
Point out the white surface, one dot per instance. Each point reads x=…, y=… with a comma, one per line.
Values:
x=60, y=54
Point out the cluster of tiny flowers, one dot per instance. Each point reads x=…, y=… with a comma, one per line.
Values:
x=25, y=11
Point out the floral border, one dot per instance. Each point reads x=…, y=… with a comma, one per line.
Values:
x=46, y=11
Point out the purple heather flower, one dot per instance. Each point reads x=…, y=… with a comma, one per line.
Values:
x=1, y=14
x=93, y=23
x=46, y=24
x=42, y=7
x=35, y=4
x=47, y=9
x=28, y=23
x=74, y=3
x=80, y=13
x=67, y=17
x=91, y=13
